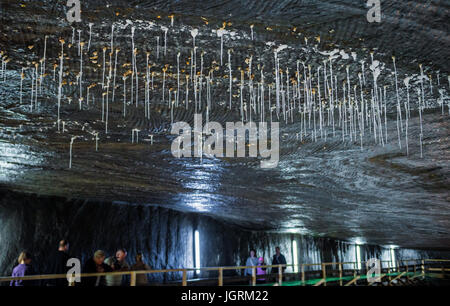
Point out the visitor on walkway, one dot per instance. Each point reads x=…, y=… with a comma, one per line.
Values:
x=118, y=263
x=278, y=259
x=260, y=270
x=24, y=268
x=60, y=264
x=95, y=265
x=140, y=265
x=251, y=261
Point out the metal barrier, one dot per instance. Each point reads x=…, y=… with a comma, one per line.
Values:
x=425, y=265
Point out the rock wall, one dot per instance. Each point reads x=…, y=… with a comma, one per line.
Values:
x=36, y=224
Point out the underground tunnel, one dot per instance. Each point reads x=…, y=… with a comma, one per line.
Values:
x=192, y=132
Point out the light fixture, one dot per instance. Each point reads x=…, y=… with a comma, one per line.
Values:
x=295, y=255
x=358, y=256
x=393, y=263
x=197, y=250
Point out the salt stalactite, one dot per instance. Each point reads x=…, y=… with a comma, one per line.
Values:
x=242, y=95
x=151, y=139
x=171, y=20
x=157, y=47
x=124, y=78
x=147, y=82
x=230, y=75
x=399, y=111
x=114, y=76
x=54, y=71
x=60, y=80
x=194, y=33
x=407, y=107
x=178, y=78
x=133, y=132
x=137, y=76
x=171, y=104
x=103, y=104
x=36, y=85
x=187, y=91
x=104, y=62
x=70, y=150
x=164, y=83
x=430, y=77
x=220, y=33
x=111, y=52
x=133, y=58
x=363, y=74
x=81, y=74
x=251, y=30
x=44, y=57
x=22, y=76
x=441, y=99
x=200, y=82
x=420, y=118
x=96, y=141
x=4, y=69
x=90, y=35
x=32, y=92
x=107, y=104
x=73, y=35
x=79, y=41
x=165, y=29
x=421, y=83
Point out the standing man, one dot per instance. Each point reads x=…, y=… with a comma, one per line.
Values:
x=60, y=264
x=118, y=263
x=278, y=259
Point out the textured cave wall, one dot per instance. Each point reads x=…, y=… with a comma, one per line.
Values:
x=164, y=236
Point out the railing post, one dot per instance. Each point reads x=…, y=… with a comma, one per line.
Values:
x=389, y=272
x=280, y=275
x=133, y=279
x=303, y=275
x=220, y=277
x=254, y=276
x=340, y=274
x=71, y=281
x=423, y=268
x=324, y=274
x=407, y=271
x=184, y=281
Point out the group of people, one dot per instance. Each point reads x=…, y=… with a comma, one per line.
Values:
x=99, y=263
x=253, y=260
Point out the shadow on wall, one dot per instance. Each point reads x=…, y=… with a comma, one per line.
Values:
x=164, y=236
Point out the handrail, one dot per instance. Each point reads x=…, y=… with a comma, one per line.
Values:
x=221, y=269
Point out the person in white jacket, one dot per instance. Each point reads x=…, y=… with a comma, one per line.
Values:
x=251, y=261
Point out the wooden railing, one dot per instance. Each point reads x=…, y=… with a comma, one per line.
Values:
x=405, y=265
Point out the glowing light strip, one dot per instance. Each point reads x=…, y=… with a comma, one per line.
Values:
x=197, y=250
x=294, y=251
x=358, y=256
